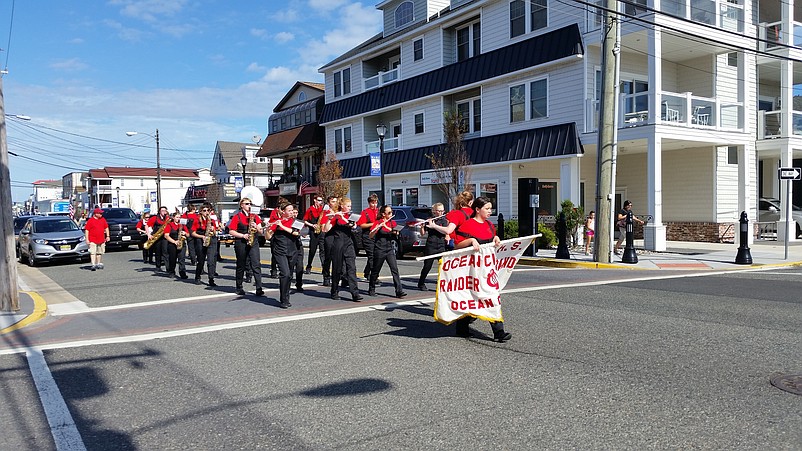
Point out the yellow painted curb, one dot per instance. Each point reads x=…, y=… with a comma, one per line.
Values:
x=559, y=263
x=39, y=312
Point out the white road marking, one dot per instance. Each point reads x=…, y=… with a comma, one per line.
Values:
x=62, y=426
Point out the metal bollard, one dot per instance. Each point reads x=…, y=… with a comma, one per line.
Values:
x=562, y=232
x=744, y=257
x=630, y=256
x=500, y=229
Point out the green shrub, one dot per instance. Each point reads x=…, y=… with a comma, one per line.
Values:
x=511, y=229
x=548, y=239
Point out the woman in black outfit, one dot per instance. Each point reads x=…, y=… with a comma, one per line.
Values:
x=383, y=234
x=435, y=241
x=284, y=251
x=343, y=254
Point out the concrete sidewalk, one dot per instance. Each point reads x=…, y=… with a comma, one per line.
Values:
x=682, y=255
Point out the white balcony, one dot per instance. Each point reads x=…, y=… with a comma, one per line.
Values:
x=383, y=78
x=770, y=125
x=390, y=145
x=773, y=33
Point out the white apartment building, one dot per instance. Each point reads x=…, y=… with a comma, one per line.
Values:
x=136, y=188
x=707, y=111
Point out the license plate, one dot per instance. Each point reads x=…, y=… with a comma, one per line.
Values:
x=126, y=238
x=64, y=247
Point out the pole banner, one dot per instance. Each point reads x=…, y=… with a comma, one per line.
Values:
x=470, y=282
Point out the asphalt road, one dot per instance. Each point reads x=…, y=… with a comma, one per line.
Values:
x=598, y=360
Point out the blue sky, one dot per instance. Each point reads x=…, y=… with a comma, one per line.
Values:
x=198, y=70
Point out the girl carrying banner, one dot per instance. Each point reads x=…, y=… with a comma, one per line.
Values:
x=471, y=233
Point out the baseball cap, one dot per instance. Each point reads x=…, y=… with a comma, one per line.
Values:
x=97, y=211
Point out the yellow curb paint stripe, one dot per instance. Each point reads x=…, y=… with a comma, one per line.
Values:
x=39, y=312
x=575, y=264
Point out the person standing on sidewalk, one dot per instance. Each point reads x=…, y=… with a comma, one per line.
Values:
x=435, y=241
x=590, y=230
x=314, y=220
x=365, y=223
x=622, y=225
x=97, y=235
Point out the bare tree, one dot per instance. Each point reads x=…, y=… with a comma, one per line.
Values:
x=329, y=176
x=451, y=161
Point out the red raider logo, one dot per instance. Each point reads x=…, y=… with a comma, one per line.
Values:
x=492, y=279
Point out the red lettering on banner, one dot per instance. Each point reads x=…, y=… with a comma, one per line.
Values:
x=472, y=304
x=459, y=284
x=515, y=245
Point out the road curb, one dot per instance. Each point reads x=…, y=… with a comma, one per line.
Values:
x=560, y=263
x=39, y=312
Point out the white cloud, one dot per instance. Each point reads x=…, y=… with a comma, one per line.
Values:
x=125, y=33
x=287, y=15
x=326, y=5
x=283, y=37
x=69, y=65
x=357, y=24
x=149, y=10
x=258, y=32
x=255, y=67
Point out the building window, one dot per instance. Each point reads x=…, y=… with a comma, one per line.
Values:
x=535, y=94
x=732, y=155
x=488, y=190
x=468, y=41
x=418, y=123
x=417, y=49
x=526, y=16
x=470, y=112
x=732, y=59
x=342, y=82
x=301, y=96
x=122, y=182
x=141, y=182
x=342, y=140
x=308, y=116
x=404, y=14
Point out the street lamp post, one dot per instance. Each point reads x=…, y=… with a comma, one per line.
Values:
x=158, y=168
x=381, y=130
x=243, y=161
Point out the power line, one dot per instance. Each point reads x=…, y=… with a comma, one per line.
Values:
x=8, y=46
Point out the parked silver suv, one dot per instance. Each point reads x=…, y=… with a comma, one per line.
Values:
x=47, y=238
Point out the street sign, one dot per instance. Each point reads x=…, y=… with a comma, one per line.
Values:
x=790, y=173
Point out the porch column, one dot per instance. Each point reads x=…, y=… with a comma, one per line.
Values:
x=786, y=194
x=569, y=180
x=655, y=64
x=654, y=234
x=747, y=157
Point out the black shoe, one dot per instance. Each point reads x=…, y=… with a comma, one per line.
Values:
x=260, y=292
x=422, y=287
x=285, y=304
x=94, y=268
x=299, y=288
x=308, y=270
x=273, y=275
x=400, y=294
x=371, y=292
x=247, y=280
x=502, y=337
x=464, y=333
x=197, y=281
x=182, y=275
x=240, y=292
x=216, y=275
x=158, y=269
x=326, y=282
x=335, y=296
x=211, y=283
x=357, y=297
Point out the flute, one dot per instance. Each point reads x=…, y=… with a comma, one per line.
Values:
x=381, y=224
x=422, y=221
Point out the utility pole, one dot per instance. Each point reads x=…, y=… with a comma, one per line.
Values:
x=9, y=294
x=158, y=175
x=605, y=193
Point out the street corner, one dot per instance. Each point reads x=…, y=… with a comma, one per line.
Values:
x=563, y=263
x=32, y=308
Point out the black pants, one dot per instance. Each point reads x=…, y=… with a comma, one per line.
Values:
x=343, y=264
x=286, y=263
x=368, y=244
x=160, y=252
x=315, y=242
x=191, y=245
x=384, y=251
x=243, y=252
x=147, y=254
x=328, y=249
x=176, y=255
x=430, y=249
x=207, y=254
x=272, y=257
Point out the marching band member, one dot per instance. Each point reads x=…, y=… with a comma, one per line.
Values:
x=275, y=215
x=435, y=242
x=366, y=222
x=285, y=250
x=192, y=217
x=343, y=261
x=205, y=233
x=471, y=233
x=384, y=233
x=313, y=217
x=142, y=228
x=175, y=234
x=299, y=256
x=461, y=213
x=160, y=246
x=244, y=226
x=332, y=206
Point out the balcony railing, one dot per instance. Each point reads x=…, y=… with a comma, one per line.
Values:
x=681, y=109
x=719, y=13
x=382, y=78
x=770, y=124
x=390, y=145
x=773, y=33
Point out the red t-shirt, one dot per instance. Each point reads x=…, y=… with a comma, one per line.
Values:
x=457, y=217
x=368, y=216
x=387, y=227
x=242, y=218
x=96, y=229
x=288, y=222
x=313, y=214
x=155, y=222
x=173, y=226
x=484, y=232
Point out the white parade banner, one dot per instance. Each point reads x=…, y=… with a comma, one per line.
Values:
x=469, y=282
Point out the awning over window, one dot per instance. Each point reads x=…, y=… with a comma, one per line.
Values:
x=554, y=141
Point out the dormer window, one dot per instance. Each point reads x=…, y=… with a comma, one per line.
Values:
x=301, y=96
x=404, y=14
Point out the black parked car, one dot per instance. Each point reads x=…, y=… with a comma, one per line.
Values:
x=122, y=227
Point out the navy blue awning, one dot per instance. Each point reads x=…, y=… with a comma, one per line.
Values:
x=551, y=46
x=552, y=141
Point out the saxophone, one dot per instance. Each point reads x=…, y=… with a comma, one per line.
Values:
x=155, y=237
x=251, y=230
x=181, y=240
x=207, y=237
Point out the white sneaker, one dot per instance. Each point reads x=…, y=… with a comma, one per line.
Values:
x=100, y=266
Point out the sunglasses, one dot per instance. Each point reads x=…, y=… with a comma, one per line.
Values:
x=318, y=200
x=204, y=209
x=246, y=203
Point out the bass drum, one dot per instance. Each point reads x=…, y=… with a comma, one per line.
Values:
x=254, y=194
